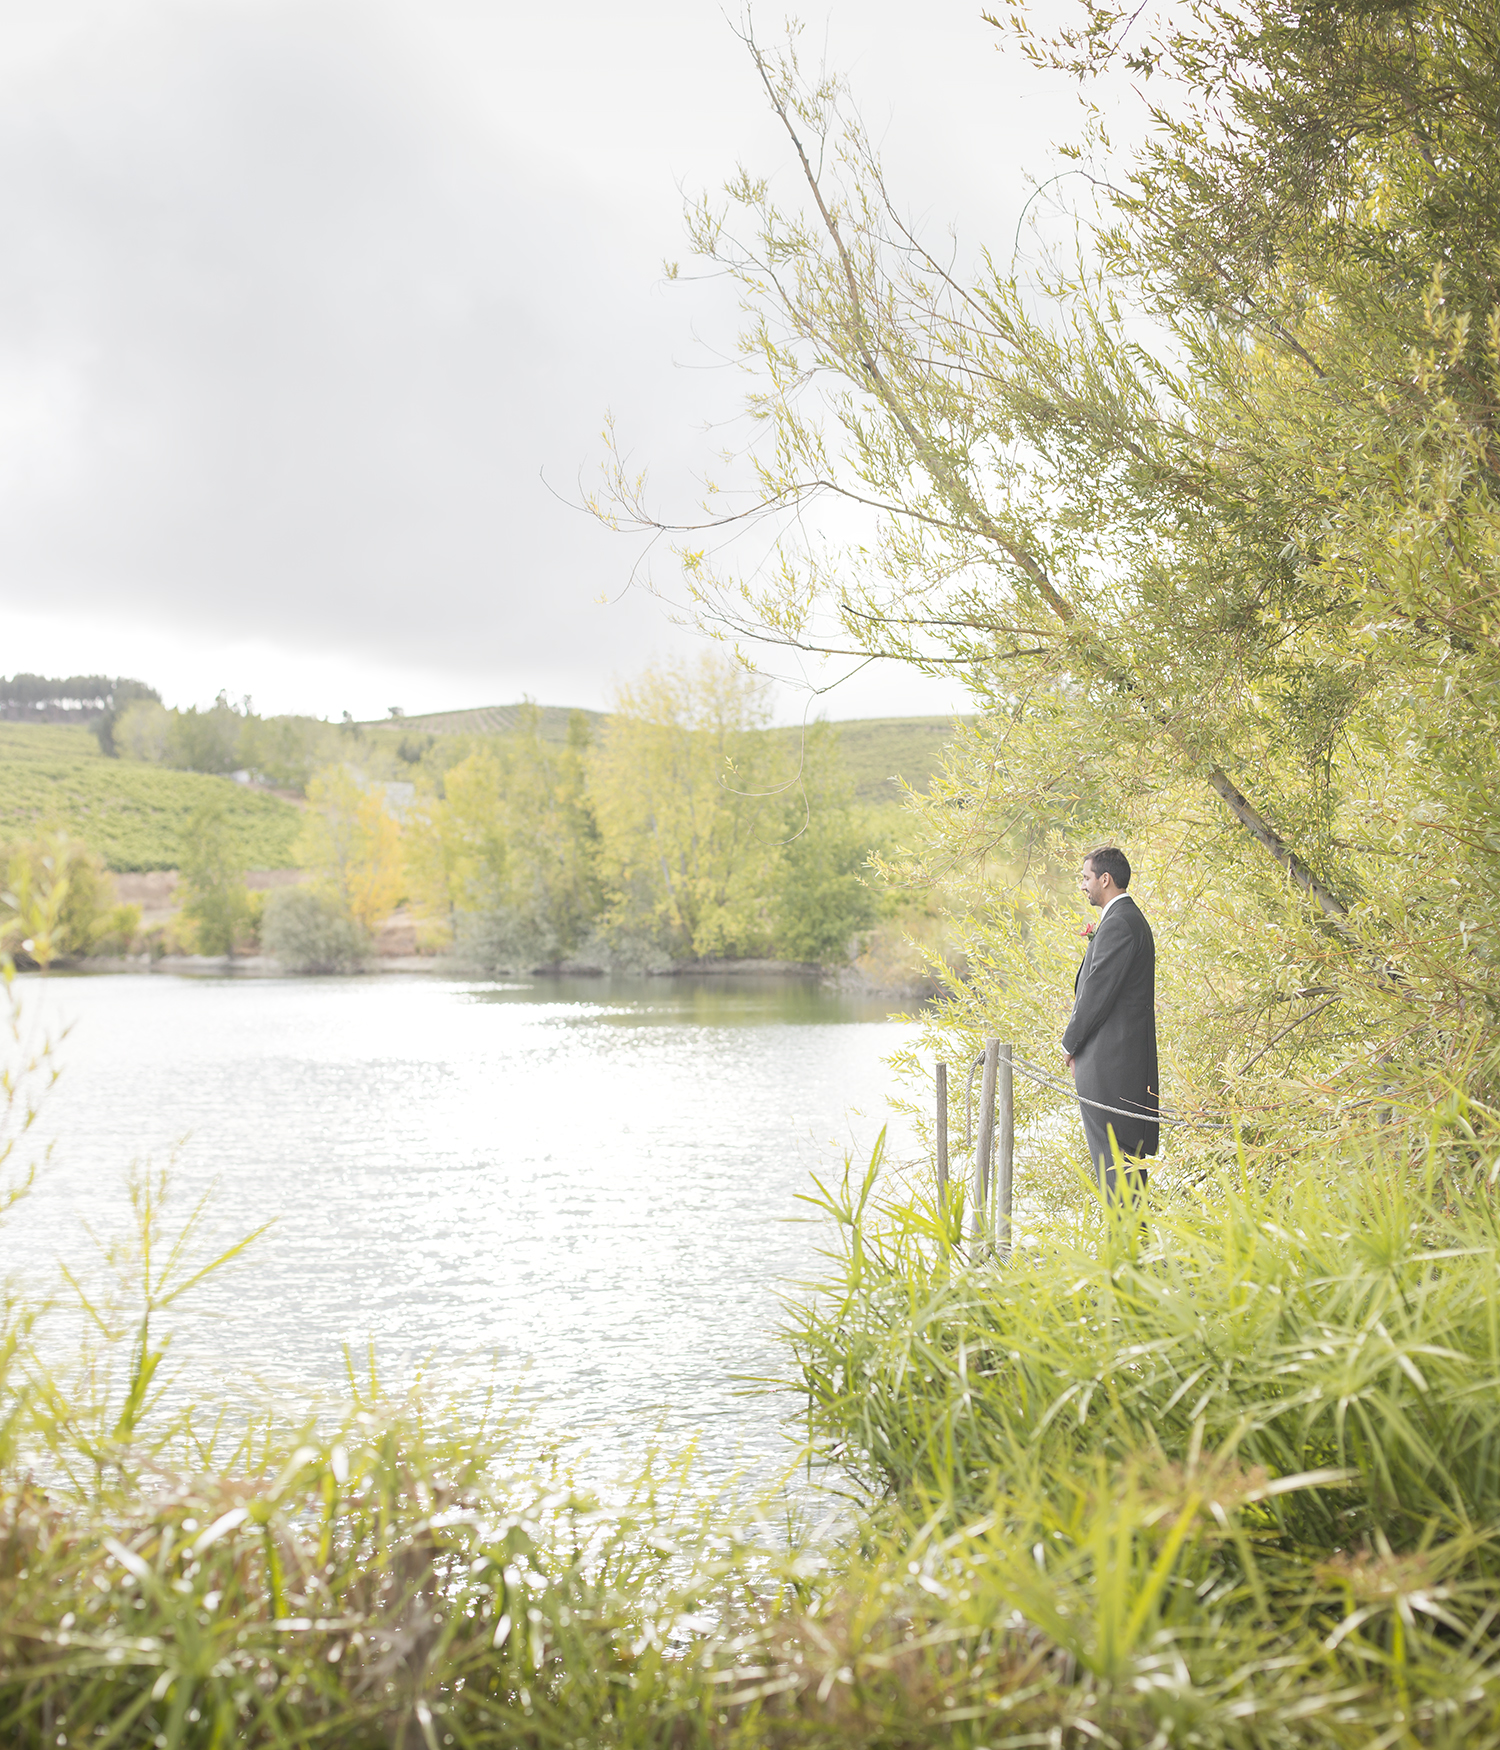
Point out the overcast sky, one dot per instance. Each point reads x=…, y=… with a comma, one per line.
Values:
x=306, y=304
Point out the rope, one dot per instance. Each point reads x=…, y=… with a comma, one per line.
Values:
x=1041, y=1076
x=1047, y=1081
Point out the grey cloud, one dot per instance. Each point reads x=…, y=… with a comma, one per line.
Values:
x=296, y=346
x=301, y=296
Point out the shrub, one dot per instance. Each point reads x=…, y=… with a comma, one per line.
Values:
x=1230, y=1484
x=118, y=930
x=1338, y=1313
x=503, y=940
x=143, y=731
x=351, y=842
x=206, y=741
x=122, y=695
x=172, y=936
x=308, y=933
x=823, y=902
x=252, y=920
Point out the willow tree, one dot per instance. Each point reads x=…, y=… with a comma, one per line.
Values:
x=1204, y=517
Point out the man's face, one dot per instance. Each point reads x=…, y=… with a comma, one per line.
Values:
x=1096, y=888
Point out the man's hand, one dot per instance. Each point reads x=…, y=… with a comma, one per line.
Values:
x=1069, y=1060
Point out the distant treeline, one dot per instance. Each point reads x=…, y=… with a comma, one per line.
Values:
x=94, y=700
x=281, y=751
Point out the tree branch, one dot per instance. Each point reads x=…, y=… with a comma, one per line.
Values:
x=1329, y=903
x=1250, y=1062
x=946, y=477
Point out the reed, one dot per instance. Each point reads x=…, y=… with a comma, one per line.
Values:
x=1337, y=1315
x=1244, y=1459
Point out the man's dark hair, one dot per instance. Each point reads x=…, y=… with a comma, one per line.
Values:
x=1111, y=860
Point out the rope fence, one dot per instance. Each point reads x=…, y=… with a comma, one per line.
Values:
x=997, y=1099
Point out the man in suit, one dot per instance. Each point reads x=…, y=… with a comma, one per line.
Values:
x=1110, y=1041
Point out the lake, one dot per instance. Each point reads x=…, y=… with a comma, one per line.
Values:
x=584, y=1187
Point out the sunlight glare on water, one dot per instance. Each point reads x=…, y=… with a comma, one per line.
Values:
x=588, y=1182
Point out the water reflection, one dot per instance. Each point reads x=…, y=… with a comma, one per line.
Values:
x=704, y=999
x=587, y=1179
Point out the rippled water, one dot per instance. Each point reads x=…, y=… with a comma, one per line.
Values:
x=590, y=1181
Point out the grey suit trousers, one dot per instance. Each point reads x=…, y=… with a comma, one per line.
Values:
x=1096, y=1126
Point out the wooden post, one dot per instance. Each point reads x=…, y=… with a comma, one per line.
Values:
x=942, y=1131
x=1006, y=1154
x=982, y=1154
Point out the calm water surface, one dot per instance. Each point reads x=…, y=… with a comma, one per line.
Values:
x=582, y=1185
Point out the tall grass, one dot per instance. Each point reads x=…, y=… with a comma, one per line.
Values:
x=381, y=1584
x=1342, y=1314
x=1245, y=1455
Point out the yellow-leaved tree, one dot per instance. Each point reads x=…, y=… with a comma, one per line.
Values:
x=352, y=843
x=688, y=795
x=455, y=854
x=54, y=900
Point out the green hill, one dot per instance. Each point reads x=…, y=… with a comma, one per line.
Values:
x=486, y=720
x=879, y=750
x=133, y=814
x=876, y=750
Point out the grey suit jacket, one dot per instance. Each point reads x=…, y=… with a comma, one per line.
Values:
x=1112, y=1030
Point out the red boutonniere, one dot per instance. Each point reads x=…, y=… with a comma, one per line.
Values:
x=1088, y=930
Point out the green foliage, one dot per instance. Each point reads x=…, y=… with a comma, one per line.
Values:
x=501, y=859
x=719, y=838
x=118, y=931
x=1231, y=1482
x=95, y=701
x=359, y=1584
x=213, y=878
x=283, y=751
x=307, y=931
x=688, y=808
x=824, y=897
x=123, y=695
x=502, y=849
x=81, y=692
x=351, y=842
x=824, y=903
x=1335, y=1312
x=286, y=751
x=134, y=815
x=254, y=917
x=1252, y=1439
x=142, y=731
x=207, y=741
x=686, y=830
